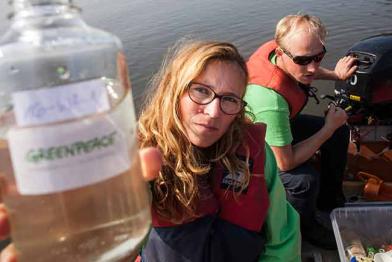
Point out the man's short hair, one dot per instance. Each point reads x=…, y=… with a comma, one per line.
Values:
x=292, y=23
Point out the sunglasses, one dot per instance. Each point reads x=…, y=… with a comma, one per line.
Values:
x=305, y=60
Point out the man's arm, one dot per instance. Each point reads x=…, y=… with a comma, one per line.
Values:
x=344, y=69
x=270, y=108
x=289, y=157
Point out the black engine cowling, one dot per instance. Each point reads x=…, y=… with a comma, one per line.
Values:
x=368, y=93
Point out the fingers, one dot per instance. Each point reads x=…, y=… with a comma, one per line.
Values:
x=349, y=60
x=151, y=162
x=352, y=70
x=351, y=63
x=330, y=112
x=336, y=116
x=331, y=106
x=8, y=254
x=339, y=112
x=342, y=114
x=345, y=67
x=4, y=223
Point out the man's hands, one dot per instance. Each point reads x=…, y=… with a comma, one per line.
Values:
x=345, y=67
x=151, y=162
x=335, y=118
x=291, y=156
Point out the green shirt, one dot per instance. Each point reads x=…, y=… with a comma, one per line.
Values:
x=271, y=108
x=282, y=230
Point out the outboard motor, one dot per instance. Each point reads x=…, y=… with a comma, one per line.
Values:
x=367, y=98
x=367, y=95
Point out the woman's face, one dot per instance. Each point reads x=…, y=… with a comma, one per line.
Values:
x=206, y=124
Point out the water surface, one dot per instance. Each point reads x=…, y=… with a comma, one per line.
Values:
x=148, y=27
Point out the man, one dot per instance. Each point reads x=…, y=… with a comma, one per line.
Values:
x=281, y=72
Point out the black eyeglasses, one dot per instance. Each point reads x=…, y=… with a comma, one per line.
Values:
x=305, y=60
x=203, y=95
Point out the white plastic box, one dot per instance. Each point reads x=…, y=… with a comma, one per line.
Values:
x=369, y=225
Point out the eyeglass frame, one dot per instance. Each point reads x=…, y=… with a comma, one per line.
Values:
x=243, y=103
x=308, y=58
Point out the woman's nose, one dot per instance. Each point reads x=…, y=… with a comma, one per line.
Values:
x=213, y=108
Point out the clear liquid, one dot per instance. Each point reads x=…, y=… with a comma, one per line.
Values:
x=106, y=221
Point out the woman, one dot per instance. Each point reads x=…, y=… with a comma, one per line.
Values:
x=217, y=197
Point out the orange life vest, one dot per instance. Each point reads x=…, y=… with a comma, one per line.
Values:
x=262, y=72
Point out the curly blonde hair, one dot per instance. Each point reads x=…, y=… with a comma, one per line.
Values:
x=175, y=191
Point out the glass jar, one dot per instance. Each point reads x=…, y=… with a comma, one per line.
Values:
x=71, y=178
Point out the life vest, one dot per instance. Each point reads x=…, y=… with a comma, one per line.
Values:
x=248, y=209
x=262, y=72
x=230, y=232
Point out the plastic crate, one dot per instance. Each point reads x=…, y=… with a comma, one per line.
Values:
x=370, y=226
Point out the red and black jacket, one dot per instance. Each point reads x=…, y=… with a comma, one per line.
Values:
x=229, y=227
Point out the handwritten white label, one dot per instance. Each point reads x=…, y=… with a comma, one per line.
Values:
x=55, y=158
x=59, y=103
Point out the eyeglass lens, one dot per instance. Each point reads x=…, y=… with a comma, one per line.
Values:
x=203, y=95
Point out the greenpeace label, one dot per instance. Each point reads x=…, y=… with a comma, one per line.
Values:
x=67, y=156
x=33, y=107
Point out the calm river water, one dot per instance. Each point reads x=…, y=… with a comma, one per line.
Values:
x=148, y=27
